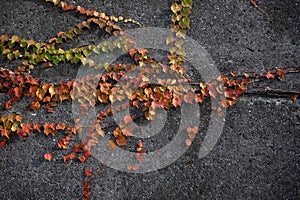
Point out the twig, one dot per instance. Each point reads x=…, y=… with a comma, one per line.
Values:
x=258, y=8
x=272, y=92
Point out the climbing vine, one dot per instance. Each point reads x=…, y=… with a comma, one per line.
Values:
x=167, y=94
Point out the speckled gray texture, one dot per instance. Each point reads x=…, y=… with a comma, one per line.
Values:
x=257, y=156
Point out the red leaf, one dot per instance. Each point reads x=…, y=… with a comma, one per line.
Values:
x=88, y=172
x=35, y=105
x=37, y=126
x=294, y=97
x=3, y=143
x=18, y=91
x=127, y=131
x=135, y=167
x=176, y=102
x=111, y=145
x=48, y=156
x=270, y=75
x=280, y=74
x=189, y=97
x=82, y=158
x=61, y=126
x=188, y=142
x=127, y=119
x=26, y=128
x=199, y=98
x=66, y=158
x=86, y=191
x=139, y=156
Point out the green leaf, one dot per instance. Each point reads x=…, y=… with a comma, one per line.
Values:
x=48, y=56
x=17, y=54
x=5, y=51
x=68, y=55
x=15, y=38
x=70, y=35
x=86, y=53
x=14, y=127
x=179, y=43
x=10, y=56
x=62, y=57
x=181, y=33
x=75, y=60
x=186, y=21
x=170, y=39
x=77, y=31
x=23, y=44
x=78, y=55
x=185, y=11
x=175, y=8
x=59, y=40
x=187, y=3
x=55, y=61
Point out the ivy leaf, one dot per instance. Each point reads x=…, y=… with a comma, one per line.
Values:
x=294, y=97
x=188, y=142
x=270, y=75
x=26, y=128
x=185, y=11
x=189, y=97
x=280, y=74
x=111, y=145
x=61, y=126
x=10, y=56
x=15, y=38
x=186, y=22
x=127, y=119
x=187, y=3
x=170, y=39
x=52, y=90
x=48, y=156
x=88, y=172
x=35, y=105
x=175, y=8
x=68, y=55
x=5, y=133
x=18, y=91
x=14, y=127
x=37, y=126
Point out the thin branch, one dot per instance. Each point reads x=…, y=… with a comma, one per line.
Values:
x=258, y=8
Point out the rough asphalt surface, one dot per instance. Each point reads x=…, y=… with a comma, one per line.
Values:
x=258, y=153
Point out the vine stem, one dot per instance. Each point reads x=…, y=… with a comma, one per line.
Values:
x=258, y=8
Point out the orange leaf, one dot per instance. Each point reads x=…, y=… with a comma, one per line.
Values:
x=88, y=172
x=48, y=156
x=189, y=97
x=294, y=97
x=37, y=126
x=127, y=131
x=280, y=74
x=66, y=158
x=199, y=98
x=270, y=75
x=18, y=91
x=188, y=142
x=26, y=128
x=5, y=133
x=61, y=126
x=121, y=141
x=127, y=119
x=82, y=158
x=35, y=105
x=111, y=145
x=135, y=167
